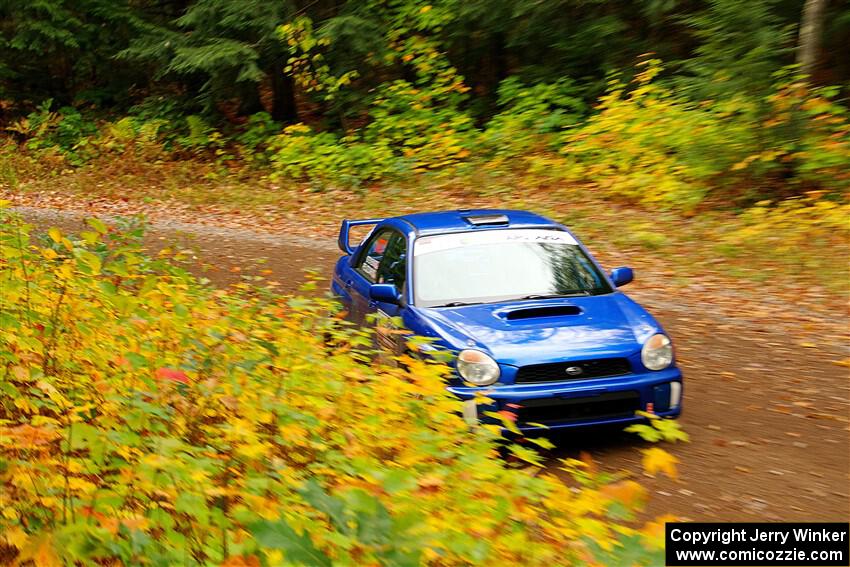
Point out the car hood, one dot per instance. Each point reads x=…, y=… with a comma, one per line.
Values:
x=541, y=331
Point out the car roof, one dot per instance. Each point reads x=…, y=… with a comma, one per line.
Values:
x=459, y=220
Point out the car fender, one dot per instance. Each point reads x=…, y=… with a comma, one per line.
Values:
x=338, y=285
x=431, y=324
x=643, y=324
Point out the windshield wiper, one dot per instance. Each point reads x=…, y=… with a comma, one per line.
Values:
x=576, y=293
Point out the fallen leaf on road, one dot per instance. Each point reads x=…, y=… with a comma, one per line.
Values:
x=658, y=460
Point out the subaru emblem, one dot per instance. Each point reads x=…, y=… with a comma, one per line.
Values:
x=574, y=370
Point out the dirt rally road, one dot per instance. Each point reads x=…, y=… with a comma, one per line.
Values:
x=766, y=405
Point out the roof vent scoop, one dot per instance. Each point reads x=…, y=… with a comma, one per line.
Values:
x=550, y=311
x=486, y=219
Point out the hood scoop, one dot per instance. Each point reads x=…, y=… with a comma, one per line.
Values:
x=548, y=311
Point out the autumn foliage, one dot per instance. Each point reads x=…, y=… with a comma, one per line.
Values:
x=149, y=419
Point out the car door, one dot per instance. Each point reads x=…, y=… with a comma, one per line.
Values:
x=384, y=261
x=391, y=270
x=364, y=273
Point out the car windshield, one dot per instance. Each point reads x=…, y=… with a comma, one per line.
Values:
x=501, y=265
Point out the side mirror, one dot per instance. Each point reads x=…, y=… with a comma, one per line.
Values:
x=385, y=293
x=622, y=275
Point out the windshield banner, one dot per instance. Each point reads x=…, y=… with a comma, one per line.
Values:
x=428, y=244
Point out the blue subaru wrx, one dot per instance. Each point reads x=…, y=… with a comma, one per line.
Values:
x=526, y=312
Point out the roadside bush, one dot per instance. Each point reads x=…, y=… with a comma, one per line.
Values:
x=257, y=131
x=130, y=134
x=797, y=232
x=531, y=116
x=407, y=134
x=420, y=126
x=147, y=418
x=148, y=129
x=65, y=130
x=809, y=135
x=649, y=144
x=409, y=126
x=167, y=115
x=302, y=153
x=645, y=142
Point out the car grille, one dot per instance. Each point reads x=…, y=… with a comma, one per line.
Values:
x=611, y=405
x=558, y=371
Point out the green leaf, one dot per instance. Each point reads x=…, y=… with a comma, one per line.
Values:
x=646, y=432
x=193, y=505
x=630, y=551
x=330, y=505
x=89, y=237
x=297, y=547
x=398, y=480
x=97, y=224
x=374, y=523
x=92, y=261
x=136, y=360
x=542, y=442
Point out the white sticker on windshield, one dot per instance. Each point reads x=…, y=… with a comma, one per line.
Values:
x=428, y=244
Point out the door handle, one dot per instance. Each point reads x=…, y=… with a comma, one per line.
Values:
x=348, y=284
x=373, y=303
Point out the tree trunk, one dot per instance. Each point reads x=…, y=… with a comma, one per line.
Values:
x=284, y=108
x=811, y=29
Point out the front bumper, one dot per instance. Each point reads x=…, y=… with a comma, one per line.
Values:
x=576, y=403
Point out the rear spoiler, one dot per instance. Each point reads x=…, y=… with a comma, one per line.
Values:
x=345, y=228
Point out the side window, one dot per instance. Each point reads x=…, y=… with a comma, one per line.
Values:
x=370, y=260
x=393, y=266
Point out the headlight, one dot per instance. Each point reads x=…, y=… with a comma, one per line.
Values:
x=477, y=368
x=657, y=352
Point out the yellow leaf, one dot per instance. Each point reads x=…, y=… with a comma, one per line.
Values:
x=23, y=405
x=653, y=531
x=252, y=450
x=81, y=485
x=40, y=551
x=22, y=373
x=655, y=460
x=65, y=272
x=198, y=476
x=274, y=556
x=16, y=537
x=55, y=235
x=629, y=492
